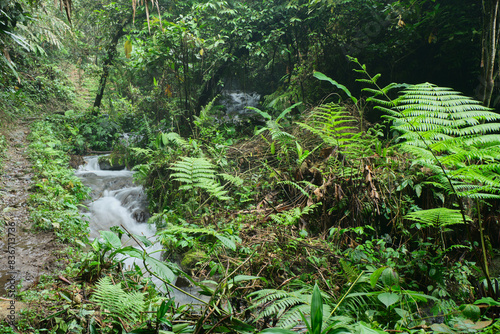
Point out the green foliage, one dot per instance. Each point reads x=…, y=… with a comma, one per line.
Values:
x=58, y=192
x=277, y=130
x=337, y=128
x=452, y=135
x=11, y=13
x=165, y=140
x=108, y=253
x=175, y=237
x=395, y=305
x=117, y=303
x=293, y=216
x=3, y=148
x=301, y=305
x=438, y=217
x=86, y=131
x=198, y=173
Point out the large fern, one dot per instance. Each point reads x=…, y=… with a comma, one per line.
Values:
x=334, y=125
x=452, y=135
x=289, y=307
x=117, y=303
x=194, y=173
x=284, y=305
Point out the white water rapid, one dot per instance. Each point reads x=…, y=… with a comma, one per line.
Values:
x=235, y=103
x=117, y=201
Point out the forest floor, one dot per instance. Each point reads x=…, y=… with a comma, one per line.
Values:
x=35, y=253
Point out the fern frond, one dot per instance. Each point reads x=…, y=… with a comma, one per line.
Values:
x=454, y=133
x=292, y=216
x=175, y=138
x=297, y=186
x=113, y=300
x=198, y=173
x=233, y=179
x=335, y=127
x=437, y=217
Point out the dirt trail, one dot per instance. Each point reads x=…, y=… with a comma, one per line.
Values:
x=24, y=254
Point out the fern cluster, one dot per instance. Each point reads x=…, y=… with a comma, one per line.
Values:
x=440, y=124
x=294, y=215
x=285, y=305
x=334, y=126
x=194, y=173
x=114, y=301
x=175, y=232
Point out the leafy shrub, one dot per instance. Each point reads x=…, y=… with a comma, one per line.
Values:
x=58, y=191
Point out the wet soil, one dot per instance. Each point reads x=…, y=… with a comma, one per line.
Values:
x=24, y=253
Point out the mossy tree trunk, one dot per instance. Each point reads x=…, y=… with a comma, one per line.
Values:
x=108, y=60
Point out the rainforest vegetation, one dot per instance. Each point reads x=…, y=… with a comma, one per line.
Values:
x=360, y=193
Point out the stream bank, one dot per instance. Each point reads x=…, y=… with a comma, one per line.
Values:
x=30, y=254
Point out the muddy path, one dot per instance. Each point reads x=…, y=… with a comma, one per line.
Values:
x=24, y=253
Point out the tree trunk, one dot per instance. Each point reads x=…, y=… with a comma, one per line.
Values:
x=110, y=54
x=491, y=32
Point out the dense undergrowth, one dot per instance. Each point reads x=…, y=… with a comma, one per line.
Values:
x=303, y=216
x=263, y=220
x=57, y=191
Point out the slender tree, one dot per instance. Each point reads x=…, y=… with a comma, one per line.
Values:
x=491, y=33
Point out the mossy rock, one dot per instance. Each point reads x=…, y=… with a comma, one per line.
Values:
x=114, y=161
x=191, y=258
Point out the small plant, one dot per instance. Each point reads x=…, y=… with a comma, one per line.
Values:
x=276, y=130
x=198, y=173
x=118, y=304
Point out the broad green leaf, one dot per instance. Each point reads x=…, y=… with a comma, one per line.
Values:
x=442, y=328
x=111, y=238
x=488, y=300
x=404, y=314
x=143, y=239
x=388, y=298
x=389, y=277
x=130, y=251
x=160, y=269
x=162, y=310
x=226, y=242
x=364, y=329
x=471, y=312
x=376, y=275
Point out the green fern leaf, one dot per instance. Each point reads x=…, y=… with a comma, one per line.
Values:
x=196, y=173
x=454, y=133
x=437, y=217
x=114, y=301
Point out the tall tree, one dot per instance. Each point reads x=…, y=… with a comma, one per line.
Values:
x=491, y=33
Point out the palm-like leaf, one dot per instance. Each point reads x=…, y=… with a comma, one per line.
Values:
x=198, y=173
x=439, y=123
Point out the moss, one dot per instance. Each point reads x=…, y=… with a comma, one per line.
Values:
x=114, y=161
x=191, y=258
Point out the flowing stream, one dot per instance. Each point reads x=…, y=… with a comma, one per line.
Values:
x=117, y=201
x=235, y=103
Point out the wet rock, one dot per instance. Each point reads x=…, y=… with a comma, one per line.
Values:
x=112, y=162
x=140, y=216
x=75, y=161
x=191, y=258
